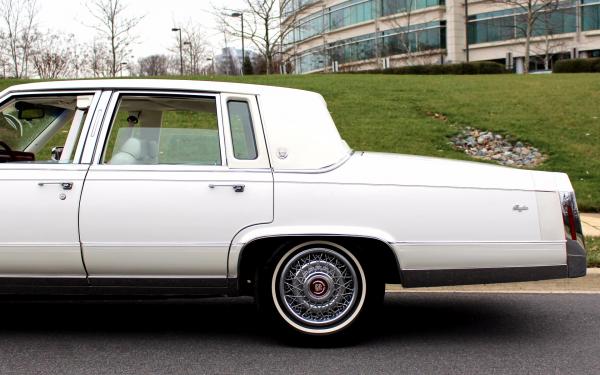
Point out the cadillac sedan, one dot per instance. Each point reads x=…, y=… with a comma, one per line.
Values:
x=181, y=188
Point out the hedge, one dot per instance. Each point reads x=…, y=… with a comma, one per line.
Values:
x=577, y=66
x=480, y=67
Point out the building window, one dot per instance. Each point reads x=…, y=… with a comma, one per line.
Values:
x=350, y=13
x=590, y=15
x=511, y=24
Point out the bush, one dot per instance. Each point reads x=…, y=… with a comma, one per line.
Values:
x=480, y=67
x=577, y=66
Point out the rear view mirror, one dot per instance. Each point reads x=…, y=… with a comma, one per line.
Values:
x=27, y=111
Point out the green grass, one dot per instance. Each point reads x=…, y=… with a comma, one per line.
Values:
x=560, y=114
x=592, y=245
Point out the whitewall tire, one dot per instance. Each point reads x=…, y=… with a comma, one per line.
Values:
x=317, y=288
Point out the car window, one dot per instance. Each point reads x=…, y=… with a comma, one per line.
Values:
x=242, y=133
x=164, y=130
x=41, y=129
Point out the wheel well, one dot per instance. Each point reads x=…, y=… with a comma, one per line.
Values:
x=257, y=253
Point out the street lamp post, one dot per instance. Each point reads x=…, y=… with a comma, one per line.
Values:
x=212, y=60
x=177, y=29
x=241, y=15
x=188, y=43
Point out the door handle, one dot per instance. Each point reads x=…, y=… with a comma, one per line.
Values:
x=64, y=185
x=238, y=188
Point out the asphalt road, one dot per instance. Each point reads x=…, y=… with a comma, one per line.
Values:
x=417, y=333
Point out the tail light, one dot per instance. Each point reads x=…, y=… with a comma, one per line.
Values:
x=571, y=219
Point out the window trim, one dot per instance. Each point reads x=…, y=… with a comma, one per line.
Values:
x=112, y=109
x=262, y=160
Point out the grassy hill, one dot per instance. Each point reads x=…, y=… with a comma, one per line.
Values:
x=559, y=114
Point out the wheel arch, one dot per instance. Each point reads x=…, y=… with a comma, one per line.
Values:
x=258, y=251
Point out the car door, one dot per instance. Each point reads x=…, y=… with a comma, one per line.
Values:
x=170, y=187
x=41, y=179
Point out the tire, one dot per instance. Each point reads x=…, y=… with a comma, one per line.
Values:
x=316, y=288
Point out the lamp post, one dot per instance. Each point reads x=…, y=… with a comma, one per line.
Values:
x=123, y=65
x=212, y=60
x=177, y=29
x=241, y=15
x=188, y=43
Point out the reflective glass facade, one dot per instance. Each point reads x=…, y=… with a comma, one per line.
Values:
x=418, y=38
x=590, y=15
x=350, y=13
x=389, y=7
x=510, y=24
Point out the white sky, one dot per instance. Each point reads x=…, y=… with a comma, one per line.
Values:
x=154, y=31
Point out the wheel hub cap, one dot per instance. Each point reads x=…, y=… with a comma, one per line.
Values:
x=318, y=286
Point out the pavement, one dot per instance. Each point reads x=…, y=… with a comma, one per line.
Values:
x=415, y=333
x=590, y=284
x=591, y=224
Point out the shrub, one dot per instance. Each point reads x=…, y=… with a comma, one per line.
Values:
x=480, y=67
x=577, y=66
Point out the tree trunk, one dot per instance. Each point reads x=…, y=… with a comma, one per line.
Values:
x=527, y=46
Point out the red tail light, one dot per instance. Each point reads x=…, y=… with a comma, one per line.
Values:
x=571, y=220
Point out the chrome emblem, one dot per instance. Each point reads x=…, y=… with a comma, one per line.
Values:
x=282, y=153
x=520, y=208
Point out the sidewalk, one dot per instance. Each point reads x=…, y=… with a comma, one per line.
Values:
x=588, y=284
x=591, y=224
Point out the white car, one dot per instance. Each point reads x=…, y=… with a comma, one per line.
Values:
x=205, y=188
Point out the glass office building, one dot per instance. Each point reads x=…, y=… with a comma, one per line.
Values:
x=340, y=35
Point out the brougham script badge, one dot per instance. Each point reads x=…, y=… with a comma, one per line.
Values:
x=520, y=208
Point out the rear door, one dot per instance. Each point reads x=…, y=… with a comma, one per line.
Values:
x=170, y=186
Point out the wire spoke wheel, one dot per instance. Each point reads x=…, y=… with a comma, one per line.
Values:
x=318, y=287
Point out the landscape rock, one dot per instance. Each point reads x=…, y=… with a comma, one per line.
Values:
x=500, y=148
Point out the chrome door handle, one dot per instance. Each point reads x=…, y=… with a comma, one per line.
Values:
x=238, y=188
x=64, y=185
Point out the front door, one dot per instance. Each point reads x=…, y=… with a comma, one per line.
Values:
x=163, y=199
x=41, y=179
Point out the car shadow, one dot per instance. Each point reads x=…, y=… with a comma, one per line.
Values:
x=405, y=317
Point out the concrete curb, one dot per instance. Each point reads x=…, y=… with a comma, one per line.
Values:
x=591, y=224
x=590, y=284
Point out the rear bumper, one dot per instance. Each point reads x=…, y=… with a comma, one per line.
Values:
x=576, y=259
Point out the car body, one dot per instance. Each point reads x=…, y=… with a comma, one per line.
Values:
x=204, y=188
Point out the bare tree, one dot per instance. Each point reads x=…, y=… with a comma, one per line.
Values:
x=262, y=26
x=18, y=17
x=99, y=63
x=550, y=44
x=403, y=24
x=52, y=54
x=530, y=12
x=154, y=65
x=115, y=27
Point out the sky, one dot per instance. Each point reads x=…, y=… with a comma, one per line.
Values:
x=154, y=31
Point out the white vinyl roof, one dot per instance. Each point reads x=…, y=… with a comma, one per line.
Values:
x=148, y=84
x=299, y=130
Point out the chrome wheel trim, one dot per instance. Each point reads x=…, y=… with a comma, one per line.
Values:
x=348, y=314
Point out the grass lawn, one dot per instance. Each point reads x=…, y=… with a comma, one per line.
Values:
x=592, y=245
x=559, y=114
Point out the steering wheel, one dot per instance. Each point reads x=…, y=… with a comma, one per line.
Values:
x=14, y=123
x=5, y=147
